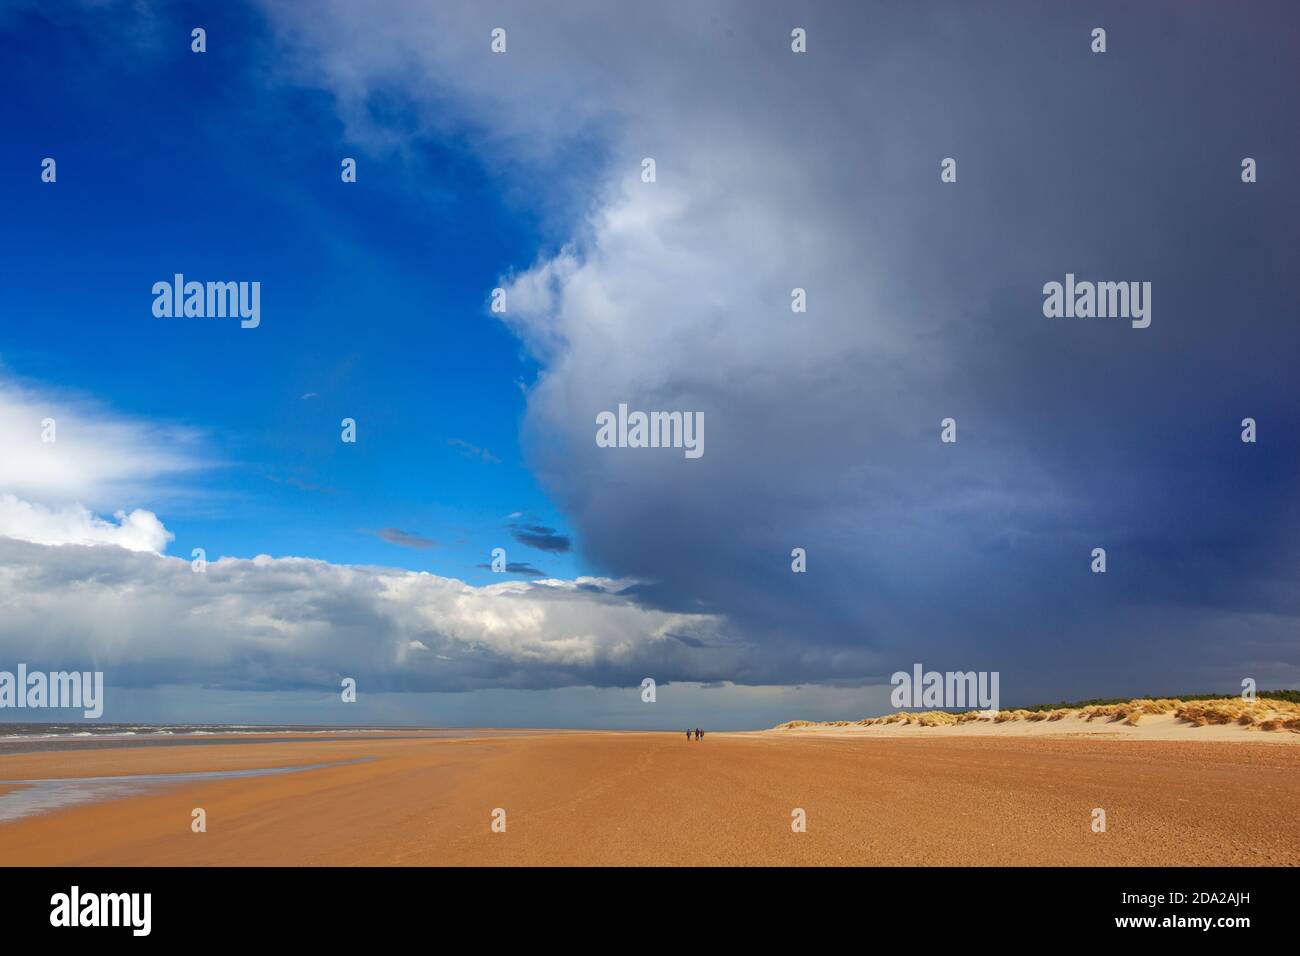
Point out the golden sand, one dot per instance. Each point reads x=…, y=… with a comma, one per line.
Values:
x=607, y=798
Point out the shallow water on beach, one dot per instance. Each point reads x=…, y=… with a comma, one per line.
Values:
x=41, y=796
x=66, y=738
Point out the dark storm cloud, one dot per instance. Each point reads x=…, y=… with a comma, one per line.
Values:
x=539, y=537
x=926, y=302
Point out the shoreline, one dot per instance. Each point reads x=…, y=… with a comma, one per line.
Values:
x=45, y=743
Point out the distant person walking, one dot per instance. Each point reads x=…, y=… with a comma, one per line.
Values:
x=688, y=735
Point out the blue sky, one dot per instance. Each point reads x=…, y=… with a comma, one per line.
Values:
x=171, y=161
x=775, y=171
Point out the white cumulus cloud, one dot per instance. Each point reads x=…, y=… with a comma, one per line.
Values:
x=139, y=530
x=266, y=622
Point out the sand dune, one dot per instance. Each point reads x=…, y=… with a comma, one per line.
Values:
x=1222, y=719
x=655, y=799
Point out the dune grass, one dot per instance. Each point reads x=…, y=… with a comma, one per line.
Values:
x=1270, y=711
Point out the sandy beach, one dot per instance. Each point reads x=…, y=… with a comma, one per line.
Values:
x=583, y=798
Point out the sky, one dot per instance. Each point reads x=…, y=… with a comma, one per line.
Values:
x=475, y=430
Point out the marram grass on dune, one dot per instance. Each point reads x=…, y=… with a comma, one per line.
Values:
x=1263, y=713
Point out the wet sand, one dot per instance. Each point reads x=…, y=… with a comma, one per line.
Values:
x=655, y=799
